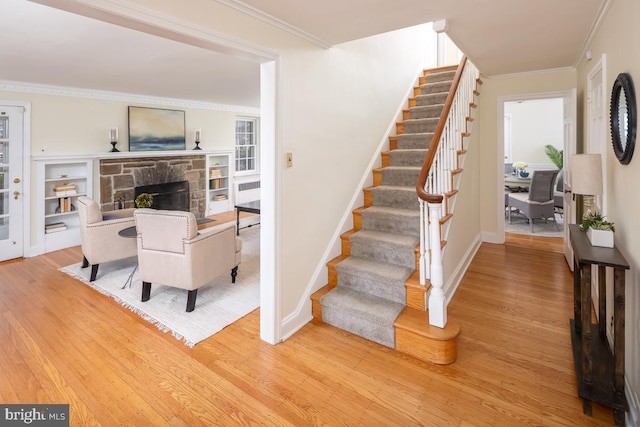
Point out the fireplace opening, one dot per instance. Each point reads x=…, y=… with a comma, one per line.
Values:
x=169, y=196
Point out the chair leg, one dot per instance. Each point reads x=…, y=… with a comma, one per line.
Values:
x=234, y=273
x=146, y=291
x=191, y=300
x=85, y=262
x=94, y=272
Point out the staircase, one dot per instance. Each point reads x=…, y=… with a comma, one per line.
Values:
x=373, y=287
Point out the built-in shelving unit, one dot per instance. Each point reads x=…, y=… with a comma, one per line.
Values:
x=219, y=182
x=60, y=182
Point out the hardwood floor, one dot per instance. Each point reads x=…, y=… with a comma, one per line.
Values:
x=63, y=342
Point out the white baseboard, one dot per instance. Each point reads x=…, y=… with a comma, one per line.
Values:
x=452, y=284
x=294, y=322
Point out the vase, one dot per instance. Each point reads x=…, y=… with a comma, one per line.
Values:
x=523, y=173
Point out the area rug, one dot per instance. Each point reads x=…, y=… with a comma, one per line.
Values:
x=219, y=304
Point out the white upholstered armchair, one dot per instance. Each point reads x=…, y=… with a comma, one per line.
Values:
x=172, y=253
x=99, y=234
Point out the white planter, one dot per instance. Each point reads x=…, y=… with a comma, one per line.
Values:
x=603, y=238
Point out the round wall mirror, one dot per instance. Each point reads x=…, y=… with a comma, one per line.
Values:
x=623, y=118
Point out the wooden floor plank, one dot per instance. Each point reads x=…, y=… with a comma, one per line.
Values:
x=63, y=342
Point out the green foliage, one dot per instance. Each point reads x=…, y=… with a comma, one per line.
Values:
x=144, y=200
x=597, y=222
x=554, y=155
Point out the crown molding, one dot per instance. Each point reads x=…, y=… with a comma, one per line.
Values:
x=272, y=20
x=41, y=89
x=597, y=23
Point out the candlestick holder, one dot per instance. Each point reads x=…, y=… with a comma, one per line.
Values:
x=198, y=132
x=113, y=135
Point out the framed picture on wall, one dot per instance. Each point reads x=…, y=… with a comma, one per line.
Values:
x=156, y=129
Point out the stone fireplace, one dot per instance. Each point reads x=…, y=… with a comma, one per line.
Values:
x=119, y=178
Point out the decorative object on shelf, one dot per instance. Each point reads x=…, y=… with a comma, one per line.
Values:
x=55, y=227
x=113, y=137
x=144, y=200
x=65, y=205
x=523, y=174
x=520, y=167
x=198, y=133
x=623, y=118
x=155, y=129
x=599, y=230
x=65, y=190
x=586, y=170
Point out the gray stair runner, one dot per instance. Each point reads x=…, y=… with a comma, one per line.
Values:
x=370, y=293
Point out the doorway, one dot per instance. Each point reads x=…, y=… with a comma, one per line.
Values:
x=530, y=125
x=566, y=117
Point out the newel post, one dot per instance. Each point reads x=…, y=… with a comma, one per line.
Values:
x=437, y=304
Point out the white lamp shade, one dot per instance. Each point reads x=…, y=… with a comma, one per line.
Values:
x=586, y=174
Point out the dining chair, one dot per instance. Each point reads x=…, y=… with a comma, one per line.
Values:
x=538, y=203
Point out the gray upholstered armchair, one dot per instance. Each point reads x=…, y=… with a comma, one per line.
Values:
x=172, y=253
x=99, y=234
x=538, y=202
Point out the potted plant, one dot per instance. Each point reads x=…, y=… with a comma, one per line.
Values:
x=599, y=230
x=556, y=156
x=144, y=200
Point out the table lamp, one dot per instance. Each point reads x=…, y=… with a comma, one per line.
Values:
x=586, y=178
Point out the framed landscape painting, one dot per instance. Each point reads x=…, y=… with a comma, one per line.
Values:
x=156, y=129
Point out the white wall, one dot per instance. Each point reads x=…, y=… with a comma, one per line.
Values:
x=535, y=123
x=615, y=38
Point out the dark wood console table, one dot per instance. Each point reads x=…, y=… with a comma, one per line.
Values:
x=599, y=370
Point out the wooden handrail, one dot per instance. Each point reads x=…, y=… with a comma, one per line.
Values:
x=431, y=153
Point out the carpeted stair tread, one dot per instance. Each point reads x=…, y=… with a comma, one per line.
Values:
x=435, y=98
x=384, y=247
x=426, y=111
x=435, y=87
x=395, y=196
x=410, y=141
x=408, y=157
x=400, y=175
x=440, y=76
x=365, y=315
x=392, y=220
x=420, y=125
x=375, y=278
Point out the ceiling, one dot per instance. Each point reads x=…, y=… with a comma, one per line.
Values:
x=43, y=45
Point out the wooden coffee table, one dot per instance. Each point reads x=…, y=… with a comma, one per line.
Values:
x=251, y=207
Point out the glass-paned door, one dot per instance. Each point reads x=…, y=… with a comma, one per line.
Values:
x=11, y=198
